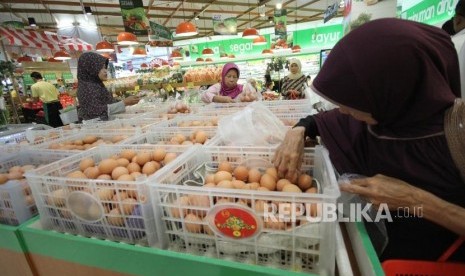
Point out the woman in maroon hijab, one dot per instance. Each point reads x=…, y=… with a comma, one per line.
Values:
x=393, y=81
x=226, y=91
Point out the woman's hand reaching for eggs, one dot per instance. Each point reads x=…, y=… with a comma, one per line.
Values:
x=288, y=156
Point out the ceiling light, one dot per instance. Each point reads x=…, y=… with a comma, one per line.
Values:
x=250, y=33
x=259, y=40
x=186, y=29
x=104, y=47
x=139, y=52
x=342, y=4
x=296, y=49
x=126, y=38
x=207, y=52
x=87, y=10
x=61, y=55
x=279, y=5
x=32, y=21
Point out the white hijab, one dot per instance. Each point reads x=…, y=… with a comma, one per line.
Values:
x=299, y=73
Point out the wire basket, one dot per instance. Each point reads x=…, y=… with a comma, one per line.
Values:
x=230, y=224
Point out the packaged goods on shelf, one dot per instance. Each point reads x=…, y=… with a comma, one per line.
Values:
x=16, y=201
x=71, y=200
x=213, y=220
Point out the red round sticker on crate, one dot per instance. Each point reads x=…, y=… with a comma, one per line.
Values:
x=234, y=222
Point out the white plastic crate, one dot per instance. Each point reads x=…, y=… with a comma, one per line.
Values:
x=244, y=235
x=101, y=134
x=189, y=121
x=16, y=201
x=138, y=125
x=82, y=206
x=289, y=106
x=291, y=118
x=165, y=135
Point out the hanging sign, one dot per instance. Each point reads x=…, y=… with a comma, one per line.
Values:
x=227, y=26
x=280, y=23
x=330, y=12
x=159, y=32
x=427, y=11
x=134, y=17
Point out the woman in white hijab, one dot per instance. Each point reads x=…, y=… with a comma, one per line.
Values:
x=293, y=86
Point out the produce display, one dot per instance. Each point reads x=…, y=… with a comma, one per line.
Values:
x=205, y=74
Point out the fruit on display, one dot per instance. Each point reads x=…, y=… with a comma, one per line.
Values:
x=179, y=108
x=206, y=74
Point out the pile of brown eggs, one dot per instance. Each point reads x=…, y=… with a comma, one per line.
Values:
x=85, y=143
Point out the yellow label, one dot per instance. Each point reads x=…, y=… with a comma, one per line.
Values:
x=137, y=88
x=190, y=85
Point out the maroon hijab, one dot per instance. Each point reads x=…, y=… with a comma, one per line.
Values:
x=230, y=91
x=406, y=75
x=402, y=72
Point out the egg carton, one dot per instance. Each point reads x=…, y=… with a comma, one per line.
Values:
x=82, y=206
x=16, y=201
x=228, y=223
x=106, y=134
x=163, y=135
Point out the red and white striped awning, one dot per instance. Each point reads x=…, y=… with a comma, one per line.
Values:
x=42, y=40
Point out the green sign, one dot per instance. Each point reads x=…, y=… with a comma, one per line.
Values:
x=428, y=11
x=319, y=37
x=68, y=77
x=226, y=26
x=236, y=46
x=134, y=17
x=50, y=77
x=158, y=31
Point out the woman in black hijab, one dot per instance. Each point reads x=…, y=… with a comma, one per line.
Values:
x=95, y=101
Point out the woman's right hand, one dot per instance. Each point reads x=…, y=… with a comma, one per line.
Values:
x=288, y=156
x=222, y=99
x=131, y=100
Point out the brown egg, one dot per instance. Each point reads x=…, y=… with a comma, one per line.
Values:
x=254, y=185
x=128, y=205
x=241, y=173
x=104, y=176
x=225, y=184
x=225, y=167
x=304, y=182
x=193, y=223
x=211, y=185
x=89, y=139
x=169, y=157
x=3, y=178
x=118, y=171
x=254, y=175
x=150, y=167
x=106, y=166
x=57, y=198
x=30, y=200
x=92, y=172
x=133, y=167
x=207, y=230
x=273, y=172
x=210, y=178
x=15, y=175
x=135, y=175
x=104, y=194
x=222, y=175
x=242, y=202
x=76, y=174
x=312, y=190
x=78, y=142
x=281, y=183
x=115, y=218
x=291, y=188
x=128, y=154
x=238, y=184
x=268, y=181
x=201, y=137
x=123, y=162
x=117, y=139
x=158, y=155
x=126, y=177
x=18, y=169
x=143, y=158
x=179, y=138
x=181, y=203
x=120, y=196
